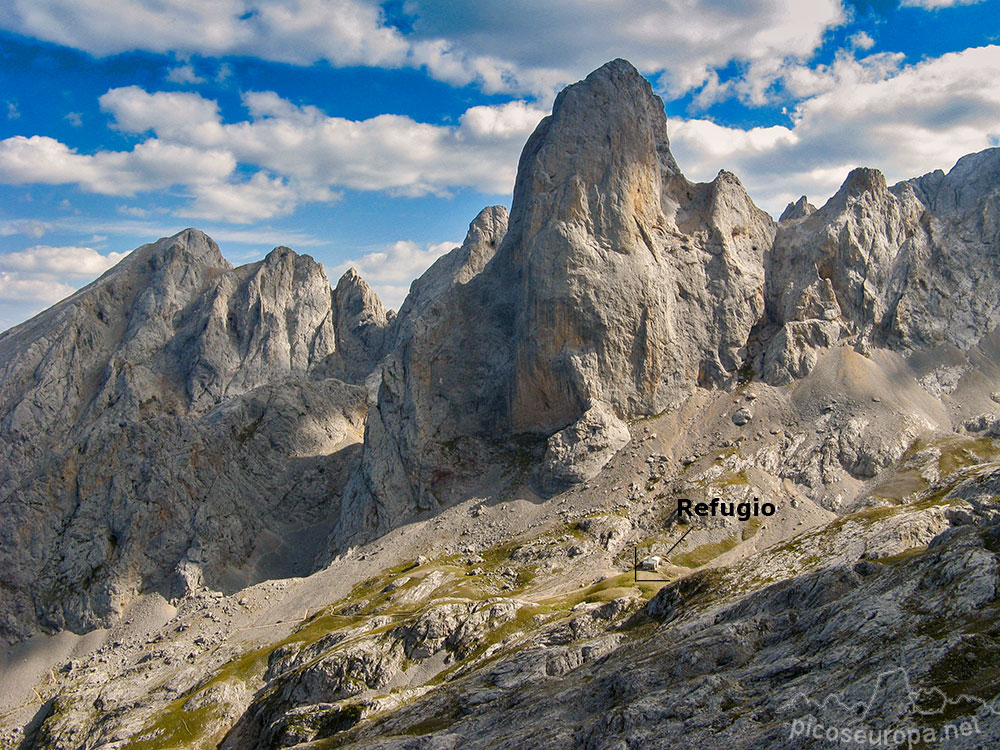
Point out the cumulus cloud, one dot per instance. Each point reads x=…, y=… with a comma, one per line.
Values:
x=43, y=260
x=498, y=45
x=184, y=74
x=176, y=115
x=150, y=165
x=905, y=121
x=37, y=292
x=386, y=152
x=494, y=45
x=936, y=4
x=294, y=154
x=261, y=197
x=861, y=40
x=344, y=32
x=390, y=270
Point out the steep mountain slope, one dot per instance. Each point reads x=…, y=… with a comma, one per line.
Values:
x=619, y=287
x=157, y=421
x=908, y=267
x=547, y=395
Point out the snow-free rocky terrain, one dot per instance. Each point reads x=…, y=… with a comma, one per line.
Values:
x=242, y=509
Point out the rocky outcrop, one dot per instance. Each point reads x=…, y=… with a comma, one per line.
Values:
x=485, y=234
x=578, y=452
x=619, y=287
x=892, y=267
x=948, y=289
x=363, y=326
x=797, y=210
x=158, y=421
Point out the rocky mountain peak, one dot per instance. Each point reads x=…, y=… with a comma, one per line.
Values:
x=167, y=368
x=599, y=158
x=282, y=253
x=485, y=233
x=484, y=236
x=973, y=180
x=797, y=209
x=362, y=325
x=862, y=180
x=619, y=286
x=188, y=250
x=354, y=297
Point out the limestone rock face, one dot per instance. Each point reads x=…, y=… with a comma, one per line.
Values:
x=485, y=233
x=948, y=283
x=578, y=452
x=164, y=418
x=259, y=322
x=619, y=285
x=363, y=327
x=797, y=210
x=634, y=283
x=891, y=266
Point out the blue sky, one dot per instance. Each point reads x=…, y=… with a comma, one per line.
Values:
x=370, y=134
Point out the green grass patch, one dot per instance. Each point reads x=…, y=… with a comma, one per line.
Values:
x=750, y=529
x=705, y=553
x=971, y=668
x=963, y=452
x=903, y=556
x=436, y=723
x=177, y=729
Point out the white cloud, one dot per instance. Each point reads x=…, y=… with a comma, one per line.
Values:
x=520, y=46
x=43, y=260
x=390, y=271
x=261, y=197
x=782, y=80
x=936, y=4
x=861, y=40
x=73, y=118
x=174, y=115
x=150, y=165
x=708, y=145
x=503, y=121
x=344, y=32
x=224, y=73
x=30, y=227
x=304, y=145
x=40, y=292
x=33, y=279
x=292, y=154
x=184, y=74
x=905, y=121
x=499, y=45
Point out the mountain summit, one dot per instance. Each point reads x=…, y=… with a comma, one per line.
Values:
x=618, y=288
x=140, y=418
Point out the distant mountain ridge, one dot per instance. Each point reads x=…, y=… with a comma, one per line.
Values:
x=151, y=420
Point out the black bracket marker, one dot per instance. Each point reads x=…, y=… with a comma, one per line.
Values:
x=635, y=560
